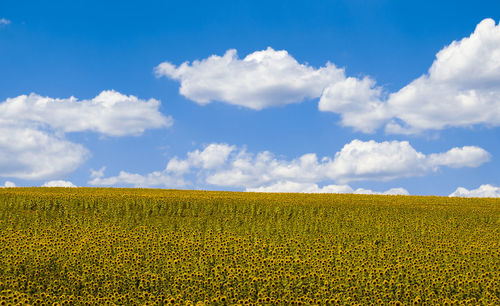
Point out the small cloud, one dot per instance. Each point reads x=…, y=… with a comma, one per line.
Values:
x=97, y=173
x=484, y=191
x=58, y=183
x=8, y=184
x=4, y=21
x=290, y=186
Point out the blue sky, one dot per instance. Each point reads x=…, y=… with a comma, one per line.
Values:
x=388, y=111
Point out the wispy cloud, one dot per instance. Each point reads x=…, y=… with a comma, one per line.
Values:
x=4, y=21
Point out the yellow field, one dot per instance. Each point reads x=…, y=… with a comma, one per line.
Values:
x=133, y=246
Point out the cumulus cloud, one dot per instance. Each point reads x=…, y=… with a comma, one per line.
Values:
x=461, y=89
x=28, y=153
x=212, y=156
x=356, y=161
x=32, y=130
x=58, y=183
x=154, y=179
x=228, y=166
x=361, y=160
x=262, y=79
x=290, y=186
x=468, y=156
x=392, y=191
x=4, y=21
x=484, y=191
x=364, y=160
x=8, y=184
x=358, y=101
x=247, y=170
x=110, y=113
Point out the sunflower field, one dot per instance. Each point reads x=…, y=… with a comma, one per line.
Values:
x=95, y=246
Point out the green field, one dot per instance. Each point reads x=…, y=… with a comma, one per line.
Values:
x=139, y=246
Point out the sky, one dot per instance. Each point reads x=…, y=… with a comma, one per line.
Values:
x=391, y=97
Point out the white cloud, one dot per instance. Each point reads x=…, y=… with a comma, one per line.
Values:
x=247, y=170
x=356, y=161
x=97, y=173
x=228, y=166
x=392, y=191
x=262, y=79
x=28, y=153
x=8, y=184
x=461, y=89
x=484, y=191
x=468, y=156
x=178, y=166
x=212, y=156
x=290, y=186
x=4, y=21
x=110, y=113
x=58, y=183
x=360, y=160
x=154, y=179
x=357, y=101
x=32, y=130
